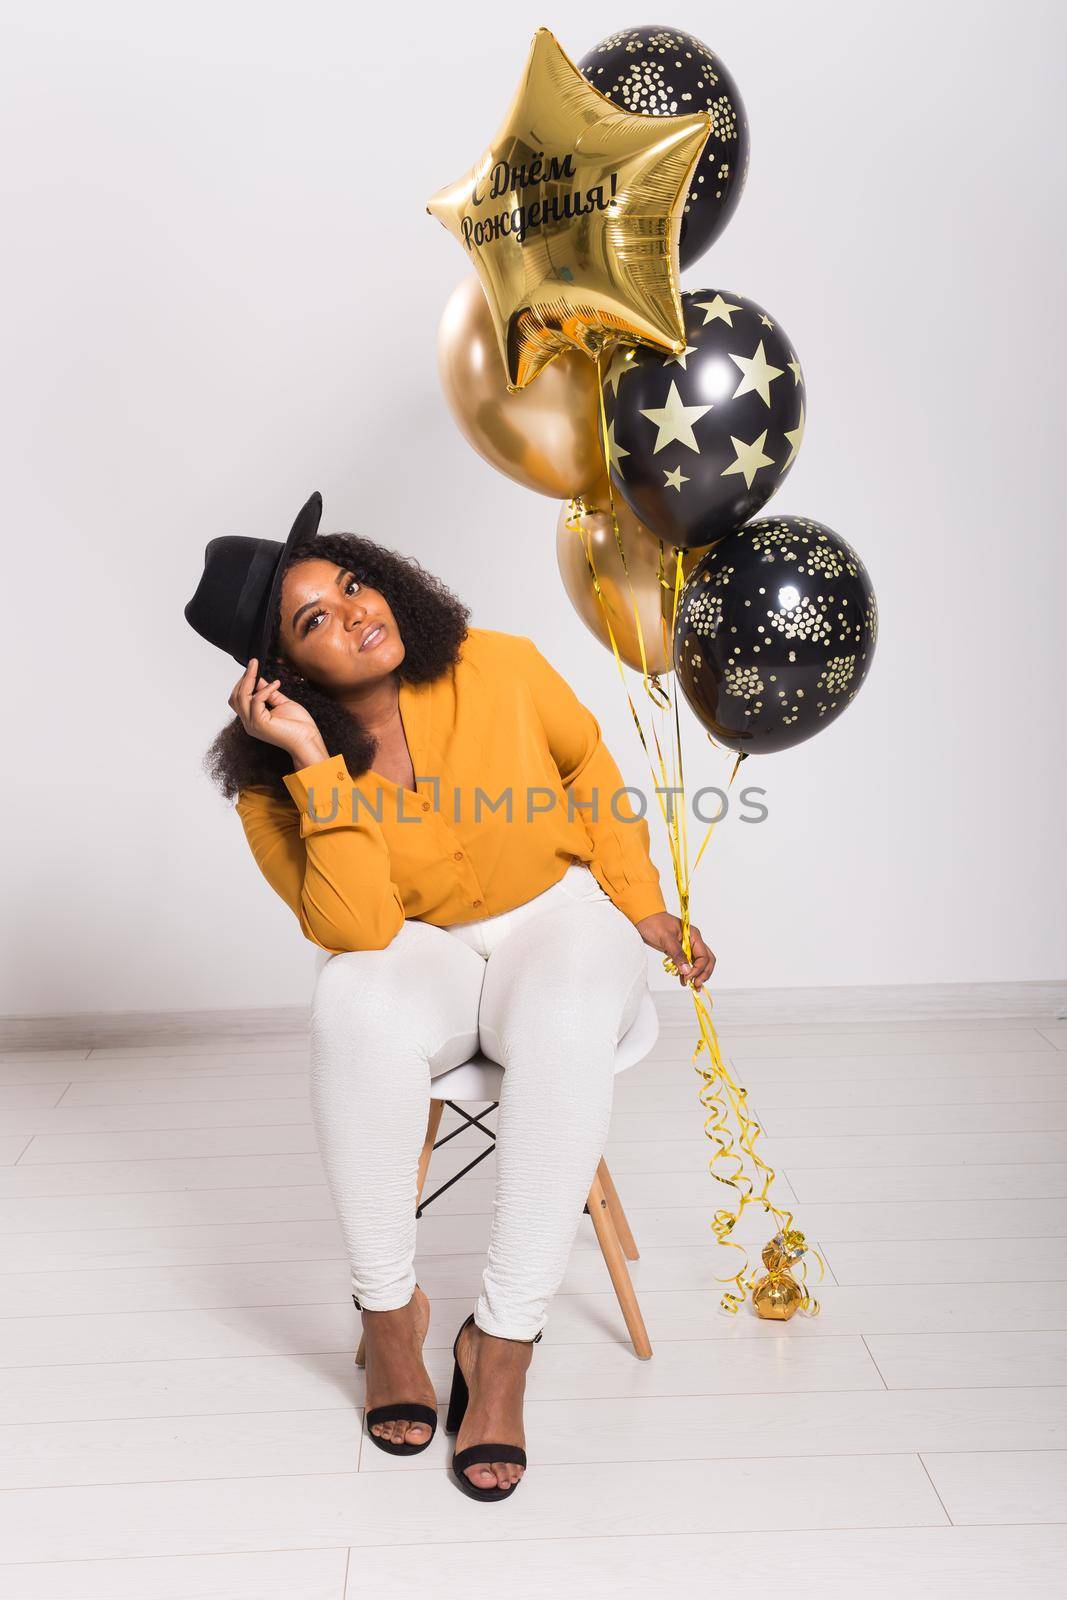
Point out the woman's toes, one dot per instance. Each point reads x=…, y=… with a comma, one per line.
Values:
x=482, y=1476
x=400, y=1432
x=494, y=1475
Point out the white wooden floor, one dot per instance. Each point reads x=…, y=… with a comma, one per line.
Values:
x=181, y=1413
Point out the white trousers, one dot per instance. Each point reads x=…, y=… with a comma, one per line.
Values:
x=546, y=990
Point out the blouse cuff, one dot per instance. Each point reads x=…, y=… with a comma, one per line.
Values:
x=640, y=900
x=322, y=793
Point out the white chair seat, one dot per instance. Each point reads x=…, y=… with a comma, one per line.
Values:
x=478, y=1078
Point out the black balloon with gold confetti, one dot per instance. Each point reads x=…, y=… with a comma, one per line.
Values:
x=662, y=72
x=775, y=632
x=698, y=442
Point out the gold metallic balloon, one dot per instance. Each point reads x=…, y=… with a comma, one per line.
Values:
x=777, y=1297
x=584, y=530
x=571, y=218
x=546, y=437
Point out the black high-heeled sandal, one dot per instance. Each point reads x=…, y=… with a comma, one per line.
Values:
x=457, y=1408
x=399, y=1411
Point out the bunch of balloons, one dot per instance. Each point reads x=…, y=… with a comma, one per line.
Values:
x=574, y=363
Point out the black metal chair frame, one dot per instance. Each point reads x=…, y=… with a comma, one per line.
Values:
x=468, y=1122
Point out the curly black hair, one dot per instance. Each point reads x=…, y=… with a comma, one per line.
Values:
x=432, y=622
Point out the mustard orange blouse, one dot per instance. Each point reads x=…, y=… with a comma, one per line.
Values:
x=514, y=784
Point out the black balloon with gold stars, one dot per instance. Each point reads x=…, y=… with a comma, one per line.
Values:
x=698, y=442
x=662, y=72
x=775, y=633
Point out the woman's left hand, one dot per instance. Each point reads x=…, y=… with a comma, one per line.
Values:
x=664, y=932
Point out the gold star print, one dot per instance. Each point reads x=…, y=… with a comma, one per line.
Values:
x=717, y=308
x=765, y=319
x=750, y=458
x=794, y=435
x=680, y=358
x=621, y=363
x=570, y=218
x=674, y=479
x=673, y=421
x=615, y=450
x=794, y=367
x=757, y=374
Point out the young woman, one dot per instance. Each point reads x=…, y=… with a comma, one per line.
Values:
x=485, y=883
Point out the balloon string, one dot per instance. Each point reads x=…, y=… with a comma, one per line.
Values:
x=720, y=1094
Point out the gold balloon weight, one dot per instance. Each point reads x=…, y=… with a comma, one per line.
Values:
x=572, y=216
x=777, y=1296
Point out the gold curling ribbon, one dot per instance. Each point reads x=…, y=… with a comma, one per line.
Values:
x=735, y=1161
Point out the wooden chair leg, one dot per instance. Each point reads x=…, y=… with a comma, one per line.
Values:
x=608, y=1239
x=433, y=1122
x=618, y=1215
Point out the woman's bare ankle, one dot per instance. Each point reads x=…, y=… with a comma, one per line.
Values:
x=411, y=1314
x=493, y=1352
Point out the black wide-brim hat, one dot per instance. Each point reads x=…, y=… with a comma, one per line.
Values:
x=237, y=595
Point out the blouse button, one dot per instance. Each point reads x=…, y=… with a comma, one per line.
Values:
x=341, y=776
x=477, y=902
x=426, y=805
x=459, y=855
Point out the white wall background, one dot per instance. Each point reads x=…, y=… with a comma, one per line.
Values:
x=221, y=290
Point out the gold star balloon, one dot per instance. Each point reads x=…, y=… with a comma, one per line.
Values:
x=572, y=216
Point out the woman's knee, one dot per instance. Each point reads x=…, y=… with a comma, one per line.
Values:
x=421, y=984
x=599, y=950
x=566, y=981
x=359, y=984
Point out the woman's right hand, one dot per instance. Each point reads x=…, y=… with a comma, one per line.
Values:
x=269, y=715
